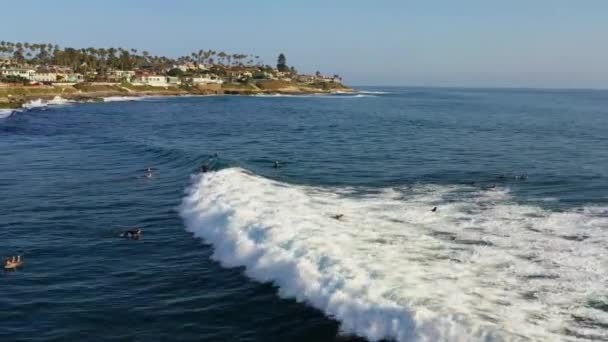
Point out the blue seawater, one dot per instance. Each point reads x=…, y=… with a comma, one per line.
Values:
x=516, y=250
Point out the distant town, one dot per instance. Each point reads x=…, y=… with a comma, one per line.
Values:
x=208, y=71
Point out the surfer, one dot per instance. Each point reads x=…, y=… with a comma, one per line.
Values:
x=338, y=217
x=489, y=187
x=12, y=263
x=522, y=177
x=133, y=233
x=434, y=209
x=205, y=168
x=276, y=164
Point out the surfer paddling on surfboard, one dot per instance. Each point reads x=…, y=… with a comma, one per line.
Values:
x=13, y=263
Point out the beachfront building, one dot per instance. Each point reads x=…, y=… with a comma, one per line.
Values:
x=43, y=75
x=73, y=77
x=333, y=79
x=26, y=73
x=238, y=75
x=121, y=75
x=306, y=78
x=174, y=81
x=151, y=80
x=284, y=76
x=205, y=79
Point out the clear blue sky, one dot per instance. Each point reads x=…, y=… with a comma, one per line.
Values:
x=528, y=43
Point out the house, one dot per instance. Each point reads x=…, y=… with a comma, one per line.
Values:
x=306, y=78
x=44, y=75
x=121, y=75
x=74, y=78
x=205, y=79
x=238, y=75
x=26, y=73
x=151, y=80
x=171, y=80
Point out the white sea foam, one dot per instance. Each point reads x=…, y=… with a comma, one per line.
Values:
x=122, y=98
x=343, y=95
x=481, y=268
x=374, y=92
x=56, y=101
x=291, y=95
x=34, y=104
x=5, y=113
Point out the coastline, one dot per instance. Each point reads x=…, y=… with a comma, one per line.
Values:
x=14, y=98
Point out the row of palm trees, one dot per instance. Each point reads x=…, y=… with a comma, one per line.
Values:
x=101, y=59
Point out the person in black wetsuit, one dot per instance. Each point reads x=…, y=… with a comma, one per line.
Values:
x=133, y=233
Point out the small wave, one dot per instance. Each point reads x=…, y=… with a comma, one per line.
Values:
x=342, y=95
x=291, y=95
x=481, y=268
x=374, y=92
x=56, y=101
x=34, y=104
x=5, y=113
x=123, y=98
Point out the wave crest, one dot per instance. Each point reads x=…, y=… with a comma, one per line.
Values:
x=483, y=267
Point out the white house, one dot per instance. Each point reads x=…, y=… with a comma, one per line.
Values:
x=122, y=74
x=206, y=79
x=73, y=77
x=44, y=76
x=171, y=80
x=25, y=73
x=152, y=80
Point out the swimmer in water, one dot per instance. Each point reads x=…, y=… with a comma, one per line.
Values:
x=13, y=262
x=133, y=233
x=338, y=216
x=434, y=209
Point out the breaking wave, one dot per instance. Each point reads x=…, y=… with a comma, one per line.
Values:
x=482, y=267
x=335, y=95
x=5, y=113
x=123, y=98
x=56, y=101
x=374, y=92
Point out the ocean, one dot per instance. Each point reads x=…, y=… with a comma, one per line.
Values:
x=338, y=243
